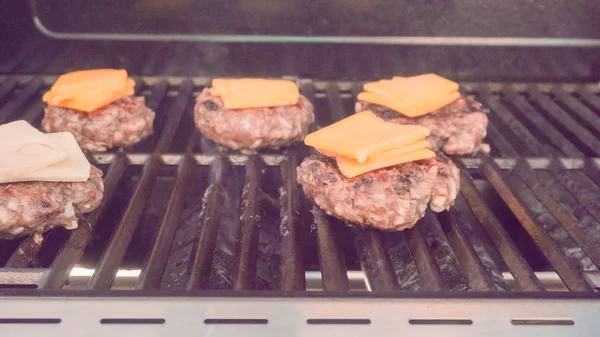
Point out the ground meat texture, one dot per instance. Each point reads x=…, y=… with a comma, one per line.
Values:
x=121, y=123
x=252, y=128
x=36, y=207
x=457, y=128
x=393, y=198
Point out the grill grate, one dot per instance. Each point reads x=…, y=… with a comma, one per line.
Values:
x=243, y=224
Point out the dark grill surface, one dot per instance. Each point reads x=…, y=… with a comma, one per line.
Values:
x=188, y=216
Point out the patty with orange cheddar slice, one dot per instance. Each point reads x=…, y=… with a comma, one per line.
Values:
x=457, y=123
x=249, y=114
x=124, y=122
x=456, y=129
x=371, y=172
x=98, y=108
x=392, y=198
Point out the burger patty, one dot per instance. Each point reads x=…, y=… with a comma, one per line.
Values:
x=392, y=198
x=121, y=123
x=36, y=207
x=252, y=128
x=457, y=128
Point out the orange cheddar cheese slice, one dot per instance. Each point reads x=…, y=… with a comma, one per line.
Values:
x=396, y=105
x=89, y=90
x=422, y=144
x=248, y=93
x=92, y=101
x=96, y=77
x=411, y=96
x=363, y=135
x=351, y=168
x=431, y=82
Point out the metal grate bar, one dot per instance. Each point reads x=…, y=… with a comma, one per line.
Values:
x=204, y=246
x=583, y=113
x=335, y=102
x=589, y=97
x=582, y=193
x=374, y=259
x=502, y=115
x=176, y=114
x=117, y=247
x=584, y=239
x=247, y=247
x=592, y=169
x=587, y=242
x=545, y=128
x=23, y=97
x=25, y=253
x=479, y=278
x=292, y=267
x=331, y=258
x=506, y=149
x=73, y=248
x=517, y=265
x=570, y=275
x=429, y=272
x=7, y=86
x=152, y=270
x=563, y=120
x=442, y=252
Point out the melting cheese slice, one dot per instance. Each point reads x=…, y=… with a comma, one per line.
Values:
x=90, y=101
x=351, y=168
x=411, y=96
x=248, y=93
x=29, y=155
x=89, y=90
x=394, y=104
x=363, y=135
x=23, y=148
x=77, y=79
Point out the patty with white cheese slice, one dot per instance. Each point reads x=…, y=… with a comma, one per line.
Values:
x=392, y=198
x=252, y=128
x=35, y=207
x=123, y=122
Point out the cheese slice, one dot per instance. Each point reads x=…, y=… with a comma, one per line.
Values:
x=23, y=148
x=75, y=168
x=351, y=168
x=394, y=104
x=255, y=93
x=363, y=135
x=89, y=101
x=29, y=155
x=422, y=144
x=95, y=77
x=430, y=82
x=89, y=90
x=412, y=96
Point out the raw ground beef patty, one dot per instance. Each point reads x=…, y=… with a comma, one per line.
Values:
x=457, y=128
x=123, y=122
x=392, y=198
x=252, y=128
x=36, y=207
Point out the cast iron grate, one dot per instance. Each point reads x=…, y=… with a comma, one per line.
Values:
x=188, y=216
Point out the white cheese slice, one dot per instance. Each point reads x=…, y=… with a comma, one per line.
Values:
x=24, y=149
x=73, y=169
x=29, y=155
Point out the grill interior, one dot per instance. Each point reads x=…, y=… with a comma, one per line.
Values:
x=179, y=214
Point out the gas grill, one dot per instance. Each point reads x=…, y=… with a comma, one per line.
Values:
x=192, y=240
